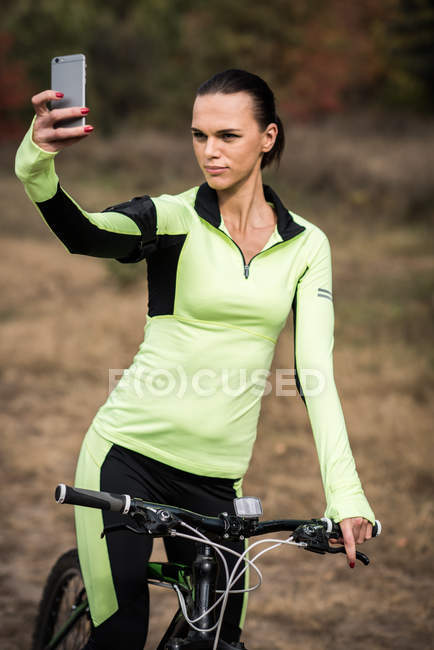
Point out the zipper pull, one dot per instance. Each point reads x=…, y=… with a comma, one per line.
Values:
x=246, y=271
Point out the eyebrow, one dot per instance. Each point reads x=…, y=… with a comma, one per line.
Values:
x=220, y=132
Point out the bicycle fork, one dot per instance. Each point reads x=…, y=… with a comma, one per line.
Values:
x=205, y=571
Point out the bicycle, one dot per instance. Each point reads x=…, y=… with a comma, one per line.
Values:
x=63, y=620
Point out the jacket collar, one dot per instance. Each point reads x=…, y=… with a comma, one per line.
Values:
x=207, y=207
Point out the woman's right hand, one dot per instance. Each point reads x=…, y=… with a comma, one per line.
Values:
x=44, y=133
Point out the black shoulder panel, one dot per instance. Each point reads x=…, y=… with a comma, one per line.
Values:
x=141, y=210
x=80, y=235
x=207, y=206
x=162, y=268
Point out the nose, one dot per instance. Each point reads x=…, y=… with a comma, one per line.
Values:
x=211, y=148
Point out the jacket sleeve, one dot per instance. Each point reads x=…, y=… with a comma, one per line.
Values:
x=126, y=232
x=314, y=338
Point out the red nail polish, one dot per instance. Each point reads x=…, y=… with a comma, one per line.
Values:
x=85, y=111
x=352, y=565
x=88, y=129
x=59, y=95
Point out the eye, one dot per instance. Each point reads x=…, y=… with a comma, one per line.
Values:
x=198, y=135
x=229, y=136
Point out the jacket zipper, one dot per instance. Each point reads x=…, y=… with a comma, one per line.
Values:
x=247, y=266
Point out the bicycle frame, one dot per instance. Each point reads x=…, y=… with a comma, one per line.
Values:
x=197, y=584
x=79, y=611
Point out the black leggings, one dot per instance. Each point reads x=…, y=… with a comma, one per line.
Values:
x=125, y=471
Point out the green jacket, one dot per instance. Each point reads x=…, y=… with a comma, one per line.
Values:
x=191, y=397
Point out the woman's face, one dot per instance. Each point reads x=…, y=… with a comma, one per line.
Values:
x=227, y=139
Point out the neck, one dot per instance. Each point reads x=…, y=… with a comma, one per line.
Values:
x=244, y=205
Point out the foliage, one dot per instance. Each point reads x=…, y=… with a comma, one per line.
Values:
x=410, y=53
x=16, y=89
x=147, y=57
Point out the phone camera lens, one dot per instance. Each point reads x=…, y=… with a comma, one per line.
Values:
x=56, y=60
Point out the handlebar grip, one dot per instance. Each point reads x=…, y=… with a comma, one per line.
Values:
x=93, y=499
x=376, y=528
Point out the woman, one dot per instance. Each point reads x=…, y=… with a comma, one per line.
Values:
x=226, y=262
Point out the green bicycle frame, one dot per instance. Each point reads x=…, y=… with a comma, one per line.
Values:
x=165, y=573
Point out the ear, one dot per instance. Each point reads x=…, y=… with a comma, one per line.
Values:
x=269, y=137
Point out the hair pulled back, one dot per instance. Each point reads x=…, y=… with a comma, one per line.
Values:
x=264, y=108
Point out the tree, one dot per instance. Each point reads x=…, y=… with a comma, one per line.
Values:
x=409, y=52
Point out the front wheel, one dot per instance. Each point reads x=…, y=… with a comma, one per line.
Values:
x=63, y=621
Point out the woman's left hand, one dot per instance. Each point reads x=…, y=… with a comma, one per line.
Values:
x=355, y=530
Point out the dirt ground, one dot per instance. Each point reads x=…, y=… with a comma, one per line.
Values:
x=66, y=320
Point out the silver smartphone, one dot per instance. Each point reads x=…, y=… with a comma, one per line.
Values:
x=68, y=75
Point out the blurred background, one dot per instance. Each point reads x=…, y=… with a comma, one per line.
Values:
x=354, y=83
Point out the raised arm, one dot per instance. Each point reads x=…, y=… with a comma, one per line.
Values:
x=314, y=339
x=126, y=232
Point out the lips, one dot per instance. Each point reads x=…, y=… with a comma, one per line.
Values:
x=215, y=170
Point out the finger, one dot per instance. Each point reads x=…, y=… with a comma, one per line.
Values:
x=350, y=550
x=72, y=112
x=362, y=532
x=369, y=531
x=356, y=524
x=40, y=100
x=68, y=134
x=349, y=542
x=51, y=141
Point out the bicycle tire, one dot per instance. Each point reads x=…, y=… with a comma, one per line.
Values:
x=64, y=591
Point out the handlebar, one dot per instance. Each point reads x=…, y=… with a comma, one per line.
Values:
x=158, y=519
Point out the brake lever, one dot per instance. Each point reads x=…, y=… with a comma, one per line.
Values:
x=316, y=539
x=157, y=523
x=359, y=556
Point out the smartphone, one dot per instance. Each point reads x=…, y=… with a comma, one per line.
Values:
x=68, y=75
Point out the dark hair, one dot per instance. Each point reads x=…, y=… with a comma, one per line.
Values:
x=235, y=81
